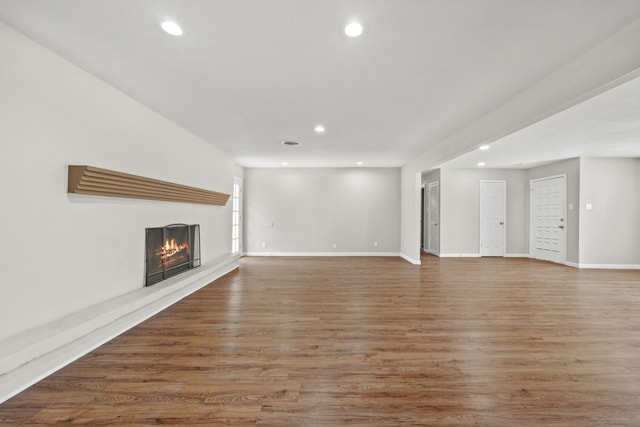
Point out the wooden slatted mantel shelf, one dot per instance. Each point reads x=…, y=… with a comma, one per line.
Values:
x=103, y=182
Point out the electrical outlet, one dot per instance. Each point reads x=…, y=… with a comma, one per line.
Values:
x=375, y=243
x=264, y=245
x=335, y=246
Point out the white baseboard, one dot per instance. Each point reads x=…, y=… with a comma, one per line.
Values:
x=337, y=254
x=459, y=255
x=411, y=260
x=605, y=266
x=323, y=254
x=33, y=355
x=516, y=255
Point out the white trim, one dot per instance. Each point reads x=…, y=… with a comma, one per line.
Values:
x=605, y=266
x=321, y=254
x=544, y=178
x=459, y=255
x=411, y=260
x=516, y=255
x=33, y=355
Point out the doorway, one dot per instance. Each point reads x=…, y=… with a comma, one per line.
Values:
x=492, y=217
x=548, y=212
x=422, y=219
x=433, y=218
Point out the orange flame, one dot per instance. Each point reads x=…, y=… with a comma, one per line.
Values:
x=170, y=248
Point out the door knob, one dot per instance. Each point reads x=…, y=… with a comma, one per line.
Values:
x=502, y=223
x=561, y=226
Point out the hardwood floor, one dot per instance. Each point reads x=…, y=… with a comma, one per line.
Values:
x=367, y=342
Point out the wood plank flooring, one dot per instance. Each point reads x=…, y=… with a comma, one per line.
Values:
x=367, y=342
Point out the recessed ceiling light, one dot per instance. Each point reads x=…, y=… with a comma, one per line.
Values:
x=484, y=147
x=359, y=163
x=171, y=28
x=284, y=163
x=290, y=143
x=319, y=129
x=354, y=29
x=481, y=163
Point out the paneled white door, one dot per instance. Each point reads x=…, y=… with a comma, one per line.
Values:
x=492, y=217
x=548, y=212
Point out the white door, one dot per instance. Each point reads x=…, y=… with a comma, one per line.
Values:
x=548, y=226
x=492, y=217
x=433, y=240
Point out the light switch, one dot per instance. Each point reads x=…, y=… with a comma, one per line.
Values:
x=588, y=206
x=570, y=206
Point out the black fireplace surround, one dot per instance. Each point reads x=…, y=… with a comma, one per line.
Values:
x=170, y=250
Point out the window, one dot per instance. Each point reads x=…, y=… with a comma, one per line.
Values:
x=236, y=216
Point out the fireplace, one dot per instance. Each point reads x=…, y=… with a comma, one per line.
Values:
x=171, y=250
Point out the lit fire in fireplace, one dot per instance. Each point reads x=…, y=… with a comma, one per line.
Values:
x=170, y=250
x=172, y=253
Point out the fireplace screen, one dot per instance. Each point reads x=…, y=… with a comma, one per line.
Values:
x=171, y=250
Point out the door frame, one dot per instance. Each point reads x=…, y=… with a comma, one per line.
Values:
x=563, y=259
x=504, y=216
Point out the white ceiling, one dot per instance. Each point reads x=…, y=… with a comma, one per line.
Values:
x=248, y=74
x=607, y=125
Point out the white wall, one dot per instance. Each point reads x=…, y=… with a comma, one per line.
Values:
x=429, y=177
x=607, y=65
x=460, y=210
x=610, y=231
x=410, y=185
x=306, y=210
x=62, y=253
x=607, y=235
